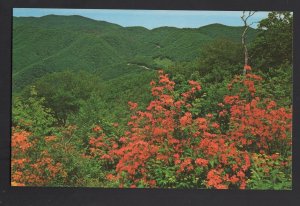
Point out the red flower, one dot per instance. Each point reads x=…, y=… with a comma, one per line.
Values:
x=186, y=119
x=247, y=67
x=132, y=105
x=176, y=156
x=97, y=129
x=195, y=84
x=201, y=162
x=110, y=177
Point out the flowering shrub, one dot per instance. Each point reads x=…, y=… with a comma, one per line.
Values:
x=168, y=146
x=257, y=125
x=29, y=165
x=102, y=146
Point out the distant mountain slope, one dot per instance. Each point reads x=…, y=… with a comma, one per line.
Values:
x=55, y=43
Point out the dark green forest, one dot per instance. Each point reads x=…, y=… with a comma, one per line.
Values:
x=73, y=77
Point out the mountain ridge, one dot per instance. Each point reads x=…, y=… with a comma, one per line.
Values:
x=42, y=45
x=97, y=20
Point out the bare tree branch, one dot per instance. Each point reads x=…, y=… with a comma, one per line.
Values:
x=245, y=18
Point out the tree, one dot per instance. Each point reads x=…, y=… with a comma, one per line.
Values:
x=32, y=115
x=274, y=44
x=221, y=55
x=64, y=92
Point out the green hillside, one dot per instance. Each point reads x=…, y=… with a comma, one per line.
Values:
x=56, y=43
x=121, y=60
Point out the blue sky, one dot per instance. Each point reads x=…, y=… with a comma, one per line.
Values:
x=150, y=18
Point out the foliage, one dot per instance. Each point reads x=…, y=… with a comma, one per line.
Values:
x=64, y=92
x=31, y=115
x=271, y=172
x=221, y=55
x=277, y=85
x=274, y=43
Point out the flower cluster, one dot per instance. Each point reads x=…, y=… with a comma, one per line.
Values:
x=168, y=135
x=30, y=165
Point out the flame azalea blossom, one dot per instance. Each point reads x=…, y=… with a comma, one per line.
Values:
x=201, y=162
x=247, y=68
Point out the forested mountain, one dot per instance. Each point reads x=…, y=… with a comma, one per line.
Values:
x=56, y=43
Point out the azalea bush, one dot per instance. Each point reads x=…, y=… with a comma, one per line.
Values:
x=244, y=144
x=29, y=165
x=46, y=155
x=167, y=145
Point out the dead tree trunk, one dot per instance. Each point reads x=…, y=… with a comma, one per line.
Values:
x=245, y=17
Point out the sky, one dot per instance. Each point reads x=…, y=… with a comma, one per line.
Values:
x=150, y=18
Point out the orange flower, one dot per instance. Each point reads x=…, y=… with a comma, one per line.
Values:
x=201, y=162
x=186, y=119
x=17, y=184
x=132, y=105
x=97, y=129
x=247, y=67
x=195, y=84
x=110, y=177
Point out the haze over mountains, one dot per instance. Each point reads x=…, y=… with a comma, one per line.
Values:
x=42, y=45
